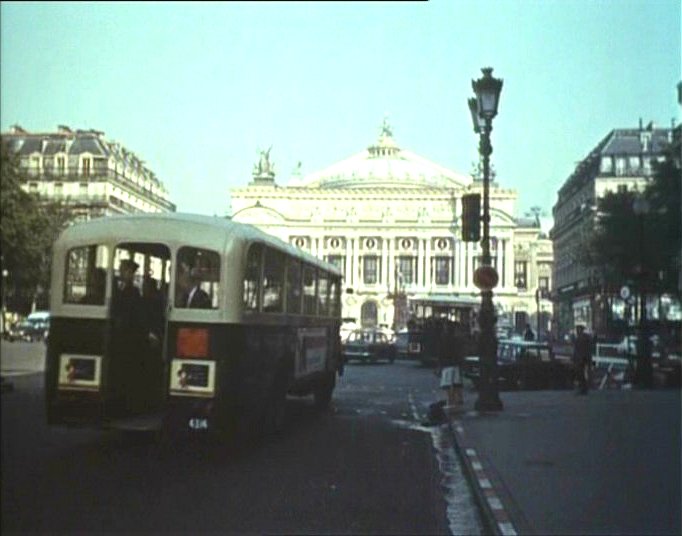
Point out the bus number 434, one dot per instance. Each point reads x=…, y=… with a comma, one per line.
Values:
x=198, y=424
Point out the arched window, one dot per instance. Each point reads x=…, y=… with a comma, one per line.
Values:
x=368, y=314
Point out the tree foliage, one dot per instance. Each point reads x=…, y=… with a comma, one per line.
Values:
x=664, y=239
x=612, y=247
x=28, y=228
x=625, y=246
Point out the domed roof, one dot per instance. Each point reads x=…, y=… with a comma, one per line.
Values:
x=384, y=165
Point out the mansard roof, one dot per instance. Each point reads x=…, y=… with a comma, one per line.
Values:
x=384, y=165
x=74, y=143
x=636, y=142
x=50, y=143
x=88, y=144
x=620, y=142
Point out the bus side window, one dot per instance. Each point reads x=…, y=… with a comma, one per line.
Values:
x=273, y=281
x=294, y=287
x=85, y=276
x=309, y=290
x=334, y=300
x=252, y=276
x=197, y=278
x=323, y=293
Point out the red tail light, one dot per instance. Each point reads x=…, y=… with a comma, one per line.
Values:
x=192, y=342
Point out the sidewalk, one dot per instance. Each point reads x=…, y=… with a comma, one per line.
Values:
x=553, y=462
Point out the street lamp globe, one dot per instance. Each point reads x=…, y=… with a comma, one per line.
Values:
x=487, y=90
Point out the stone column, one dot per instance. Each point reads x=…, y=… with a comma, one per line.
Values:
x=348, y=265
x=390, y=268
x=468, y=256
x=358, y=259
x=384, y=263
x=458, y=263
x=508, y=265
x=420, y=264
x=428, y=278
x=353, y=263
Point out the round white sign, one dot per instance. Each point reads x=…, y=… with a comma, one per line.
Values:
x=625, y=292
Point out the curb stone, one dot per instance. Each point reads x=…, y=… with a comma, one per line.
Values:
x=493, y=505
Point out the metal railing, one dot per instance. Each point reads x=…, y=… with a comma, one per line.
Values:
x=96, y=175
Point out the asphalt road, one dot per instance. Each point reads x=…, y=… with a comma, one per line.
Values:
x=365, y=467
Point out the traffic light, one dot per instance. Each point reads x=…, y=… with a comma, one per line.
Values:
x=471, y=217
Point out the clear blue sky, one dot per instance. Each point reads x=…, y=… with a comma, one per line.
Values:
x=195, y=89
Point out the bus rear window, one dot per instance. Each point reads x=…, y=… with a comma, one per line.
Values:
x=197, y=278
x=86, y=275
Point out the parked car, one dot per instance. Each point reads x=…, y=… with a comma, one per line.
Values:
x=368, y=345
x=23, y=331
x=348, y=325
x=41, y=323
x=524, y=365
x=401, y=343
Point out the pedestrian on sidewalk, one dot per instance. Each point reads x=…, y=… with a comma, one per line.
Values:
x=528, y=334
x=582, y=358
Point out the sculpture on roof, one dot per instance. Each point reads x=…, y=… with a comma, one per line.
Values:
x=264, y=166
x=386, y=128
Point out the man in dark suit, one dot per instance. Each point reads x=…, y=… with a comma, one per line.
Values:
x=582, y=358
x=197, y=298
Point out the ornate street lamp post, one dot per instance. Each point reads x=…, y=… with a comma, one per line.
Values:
x=483, y=109
x=640, y=207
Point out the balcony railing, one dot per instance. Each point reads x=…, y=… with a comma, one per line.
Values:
x=98, y=175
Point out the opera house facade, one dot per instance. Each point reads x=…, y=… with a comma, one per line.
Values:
x=391, y=221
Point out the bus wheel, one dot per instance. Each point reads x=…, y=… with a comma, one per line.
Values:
x=323, y=392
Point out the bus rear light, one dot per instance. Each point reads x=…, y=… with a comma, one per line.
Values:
x=192, y=342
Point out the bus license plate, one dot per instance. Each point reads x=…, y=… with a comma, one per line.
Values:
x=198, y=424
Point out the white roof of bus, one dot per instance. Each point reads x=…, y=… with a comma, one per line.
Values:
x=211, y=232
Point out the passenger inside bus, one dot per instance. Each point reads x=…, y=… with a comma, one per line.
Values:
x=153, y=304
x=126, y=293
x=197, y=277
x=128, y=334
x=197, y=298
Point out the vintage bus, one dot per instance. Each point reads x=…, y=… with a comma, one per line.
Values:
x=187, y=322
x=431, y=318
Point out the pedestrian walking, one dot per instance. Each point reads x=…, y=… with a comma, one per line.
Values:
x=528, y=334
x=582, y=358
x=449, y=364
